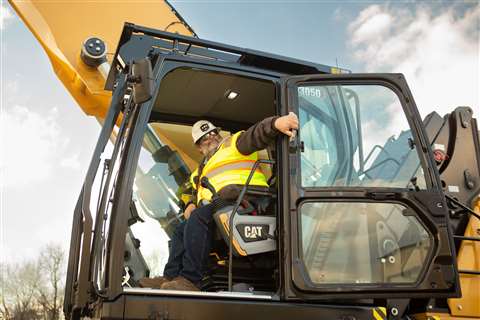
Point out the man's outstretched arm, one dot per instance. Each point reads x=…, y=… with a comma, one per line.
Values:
x=263, y=133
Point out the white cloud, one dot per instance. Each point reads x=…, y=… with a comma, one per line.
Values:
x=5, y=16
x=370, y=24
x=377, y=131
x=30, y=144
x=71, y=162
x=11, y=87
x=438, y=54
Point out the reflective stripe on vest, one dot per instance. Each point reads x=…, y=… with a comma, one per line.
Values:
x=236, y=165
x=228, y=166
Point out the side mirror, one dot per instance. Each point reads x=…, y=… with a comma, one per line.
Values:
x=141, y=75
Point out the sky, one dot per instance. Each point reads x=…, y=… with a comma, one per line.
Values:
x=46, y=141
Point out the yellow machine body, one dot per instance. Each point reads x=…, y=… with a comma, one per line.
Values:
x=469, y=259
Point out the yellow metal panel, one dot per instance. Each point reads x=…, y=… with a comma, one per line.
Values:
x=61, y=27
x=179, y=138
x=469, y=259
x=439, y=316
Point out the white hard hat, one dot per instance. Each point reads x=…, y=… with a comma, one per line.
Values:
x=201, y=128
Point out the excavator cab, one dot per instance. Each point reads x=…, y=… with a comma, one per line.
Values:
x=355, y=217
x=186, y=95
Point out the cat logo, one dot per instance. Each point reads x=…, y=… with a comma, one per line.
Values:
x=253, y=232
x=204, y=127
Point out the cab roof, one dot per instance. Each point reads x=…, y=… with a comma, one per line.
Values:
x=138, y=42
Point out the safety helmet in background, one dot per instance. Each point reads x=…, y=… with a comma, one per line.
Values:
x=201, y=128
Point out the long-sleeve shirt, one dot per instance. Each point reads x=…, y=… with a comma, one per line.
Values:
x=258, y=137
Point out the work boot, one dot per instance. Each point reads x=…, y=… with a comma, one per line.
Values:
x=154, y=283
x=180, y=283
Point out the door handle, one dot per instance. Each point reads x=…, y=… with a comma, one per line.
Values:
x=294, y=142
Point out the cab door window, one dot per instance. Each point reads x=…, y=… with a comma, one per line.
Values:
x=355, y=135
x=362, y=243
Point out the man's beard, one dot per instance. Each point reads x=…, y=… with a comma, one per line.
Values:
x=212, y=147
x=211, y=150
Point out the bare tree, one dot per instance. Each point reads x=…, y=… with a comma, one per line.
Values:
x=19, y=283
x=33, y=289
x=5, y=308
x=50, y=290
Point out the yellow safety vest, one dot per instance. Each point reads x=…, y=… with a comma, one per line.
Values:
x=228, y=166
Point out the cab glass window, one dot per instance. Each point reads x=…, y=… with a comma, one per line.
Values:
x=362, y=243
x=356, y=135
x=160, y=189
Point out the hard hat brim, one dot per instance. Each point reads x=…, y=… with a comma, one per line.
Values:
x=207, y=132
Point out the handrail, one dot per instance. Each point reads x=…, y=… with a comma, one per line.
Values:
x=474, y=214
x=234, y=211
x=467, y=238
x=471, y=272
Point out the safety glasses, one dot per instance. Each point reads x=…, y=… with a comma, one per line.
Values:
x=206, y=136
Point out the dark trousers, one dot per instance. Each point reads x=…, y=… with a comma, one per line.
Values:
x=190, y=246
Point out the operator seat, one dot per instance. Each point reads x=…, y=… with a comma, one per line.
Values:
x=254, y=227
x=255, y=223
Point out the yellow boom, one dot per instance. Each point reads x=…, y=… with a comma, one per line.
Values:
x=61, y=27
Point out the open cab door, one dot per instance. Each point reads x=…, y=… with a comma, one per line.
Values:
x=367, y=214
